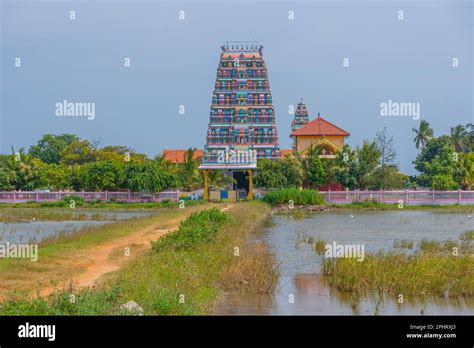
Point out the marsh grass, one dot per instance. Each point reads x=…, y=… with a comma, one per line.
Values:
x=320, y=246
x=420, y=275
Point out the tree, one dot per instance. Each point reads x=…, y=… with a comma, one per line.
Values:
x=385, y=145
x=464, y=170
x=50, y=147
x=78, y=152
x=436, y=159
x=459, y=138
x=315, y=175
x=369, y=157
x=393, y=178
x=191, y=176
x=54, y=176
x=347, y=168
x=103, y=175
x=150, y=176
x=470, y=136
x=292, y=171
x=423, y=134
x=270, y=174
x=313, y=171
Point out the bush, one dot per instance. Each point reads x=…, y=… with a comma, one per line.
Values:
x=75, y=198
x=200, y=227
x=299, y=197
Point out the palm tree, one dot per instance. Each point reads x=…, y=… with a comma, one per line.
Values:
x=190, y=166
x=459, y=138
x=423, y=134
x=470, y=136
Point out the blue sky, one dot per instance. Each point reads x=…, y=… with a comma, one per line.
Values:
x=173, y=62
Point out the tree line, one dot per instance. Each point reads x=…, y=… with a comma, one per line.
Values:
x=67, y=162
x=444, y=163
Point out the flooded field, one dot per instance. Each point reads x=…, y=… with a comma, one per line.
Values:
x=33, y=226
x=302, y=290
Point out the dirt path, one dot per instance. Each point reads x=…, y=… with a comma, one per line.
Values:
x=110, y=256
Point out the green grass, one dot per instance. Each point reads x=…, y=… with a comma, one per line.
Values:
x=299, y=197
x=84, y=302
x=200, y=227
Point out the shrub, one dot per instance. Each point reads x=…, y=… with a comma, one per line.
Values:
x=200, y=227
x=77, y=199
x=299, y=197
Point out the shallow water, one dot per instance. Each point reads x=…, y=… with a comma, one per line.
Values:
x=35, y=230
x=300, y=277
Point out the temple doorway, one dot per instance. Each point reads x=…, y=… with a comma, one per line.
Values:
x=241, y=180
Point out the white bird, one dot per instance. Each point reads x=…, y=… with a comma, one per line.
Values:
x=352, y=216
x=469, y=216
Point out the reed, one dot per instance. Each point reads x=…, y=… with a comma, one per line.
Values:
x=418, y=275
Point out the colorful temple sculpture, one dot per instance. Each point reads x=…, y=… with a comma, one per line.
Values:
x=319, y=133
x=242, y=125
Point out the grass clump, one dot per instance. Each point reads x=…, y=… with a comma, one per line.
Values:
x=320, y=246
x=420, y=275
x=200, y=227
x=299, y=197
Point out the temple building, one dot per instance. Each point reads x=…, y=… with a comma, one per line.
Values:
x=319, y=132
x=242, y=125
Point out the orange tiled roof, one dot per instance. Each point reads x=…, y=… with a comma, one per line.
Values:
x=319, y=126
x=177, y=156
x=284, y=152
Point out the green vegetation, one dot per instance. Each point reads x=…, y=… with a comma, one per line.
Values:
x=86, y=302
x=437, y=269
x=66, y=162
x=420, y=275
x=200, y=227
x=185, y=276
x=299, y=197
x=446, y=162
x=320, y=246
